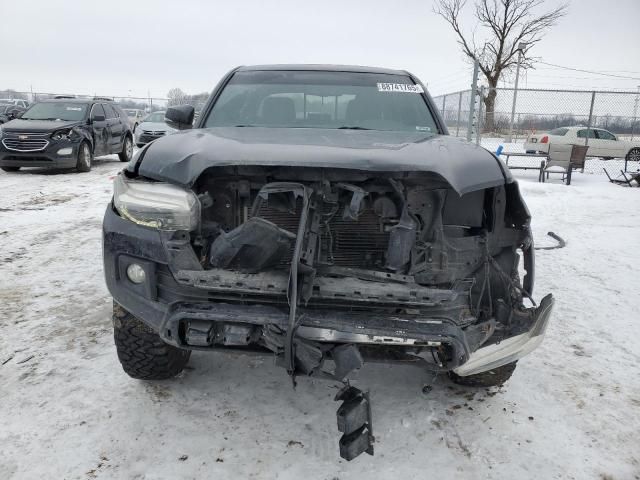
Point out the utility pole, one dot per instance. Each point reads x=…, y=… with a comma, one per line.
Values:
x=521, y=47
x=472, y=100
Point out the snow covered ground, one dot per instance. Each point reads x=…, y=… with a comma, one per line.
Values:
x=571, y=410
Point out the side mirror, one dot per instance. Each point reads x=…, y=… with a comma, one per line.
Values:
x=98, y=118
x=180, y=117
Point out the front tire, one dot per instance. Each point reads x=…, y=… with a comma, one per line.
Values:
x=10, y=169
x=491, y=378
x=85, y=158
x=127, y=149
x=633, y=155
x=142, y=352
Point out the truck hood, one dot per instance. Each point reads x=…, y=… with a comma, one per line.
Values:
x=40, y=126
x=181, y=158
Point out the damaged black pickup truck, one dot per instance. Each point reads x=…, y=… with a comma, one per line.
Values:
x=324, y=214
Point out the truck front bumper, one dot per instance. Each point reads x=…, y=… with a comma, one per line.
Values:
x=170, y=298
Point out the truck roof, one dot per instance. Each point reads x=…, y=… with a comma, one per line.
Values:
x=322, y=67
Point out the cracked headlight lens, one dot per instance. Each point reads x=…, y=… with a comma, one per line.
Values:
x=60, y=134
x=157, y=205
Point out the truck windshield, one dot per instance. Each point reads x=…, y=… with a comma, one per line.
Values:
x=56, y=111
x=322, y=99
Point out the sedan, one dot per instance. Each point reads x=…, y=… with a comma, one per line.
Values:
x=601, y=143
x=152, y=127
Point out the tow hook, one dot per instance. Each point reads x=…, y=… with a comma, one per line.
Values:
x=354, y=421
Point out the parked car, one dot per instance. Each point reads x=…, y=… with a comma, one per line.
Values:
x=601, y=143
x=152, y=128
x=9, y=112
x=323, y=214
x=15, y=101
x=65, y=133
x=135, y=117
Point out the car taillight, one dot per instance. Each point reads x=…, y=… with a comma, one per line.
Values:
x=545, y=139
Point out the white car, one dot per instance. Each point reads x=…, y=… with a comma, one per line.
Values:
x=135, y=117
x=602, y=143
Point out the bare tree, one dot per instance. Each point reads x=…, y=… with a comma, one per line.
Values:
x=506, y=24
x=176, y=97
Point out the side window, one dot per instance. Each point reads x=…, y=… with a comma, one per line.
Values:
x=97, y=110
x=586, y=134
x=604, y=135
x=111, y=113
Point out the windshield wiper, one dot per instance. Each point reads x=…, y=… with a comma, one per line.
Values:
x=245, y=126
x=347, y=127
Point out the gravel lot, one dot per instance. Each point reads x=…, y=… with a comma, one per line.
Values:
x=571, y=410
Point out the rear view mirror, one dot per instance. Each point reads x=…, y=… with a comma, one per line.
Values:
x=180, y=117
x=98, y=118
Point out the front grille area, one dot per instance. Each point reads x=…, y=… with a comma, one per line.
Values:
x=150, y=135
x=25, y=143
x=30, y=158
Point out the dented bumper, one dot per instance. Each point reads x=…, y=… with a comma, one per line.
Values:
x=512, y=348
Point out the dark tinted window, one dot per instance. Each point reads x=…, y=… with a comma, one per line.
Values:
x=559, y=131
x=310, y=99
x=586, y=133
x=97, y=110
x=110, y=111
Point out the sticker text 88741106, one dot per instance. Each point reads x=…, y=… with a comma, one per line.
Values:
x=400, y=88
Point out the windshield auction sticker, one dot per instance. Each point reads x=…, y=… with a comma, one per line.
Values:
x=400, y=87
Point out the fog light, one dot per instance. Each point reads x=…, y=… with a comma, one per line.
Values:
x=65, y=151
x=136, y=274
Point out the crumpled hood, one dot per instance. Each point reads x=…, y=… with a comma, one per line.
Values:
x=182, y=157
x=19, y=125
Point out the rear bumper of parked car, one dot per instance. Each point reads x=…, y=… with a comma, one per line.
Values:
x=166, y=304
x=59, y=154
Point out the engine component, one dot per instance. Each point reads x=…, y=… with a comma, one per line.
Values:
x=199, y=333
x=234, y=334
x=253, y=246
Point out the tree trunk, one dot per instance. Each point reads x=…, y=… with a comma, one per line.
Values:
x=489, y=108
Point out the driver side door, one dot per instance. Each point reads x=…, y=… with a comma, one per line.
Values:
x=100, y=130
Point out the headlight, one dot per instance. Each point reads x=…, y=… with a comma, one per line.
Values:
x=60, y=134
x=159, y=205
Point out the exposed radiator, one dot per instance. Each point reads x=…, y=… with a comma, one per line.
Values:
x=344, y=243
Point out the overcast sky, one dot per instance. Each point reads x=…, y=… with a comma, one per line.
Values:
x=132, y=47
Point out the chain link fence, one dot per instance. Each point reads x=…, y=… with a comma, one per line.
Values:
x=148, y=104
x=491, y=123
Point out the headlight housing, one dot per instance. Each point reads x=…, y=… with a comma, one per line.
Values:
x=157, y=205
x=65, y=133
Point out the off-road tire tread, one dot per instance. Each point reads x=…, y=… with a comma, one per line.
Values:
x=490, y=378
x=142, y=352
